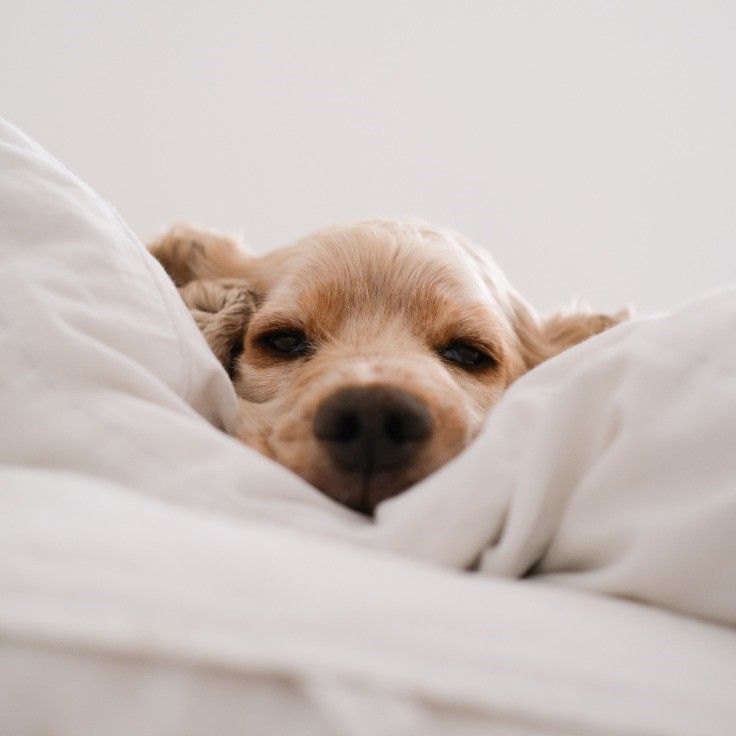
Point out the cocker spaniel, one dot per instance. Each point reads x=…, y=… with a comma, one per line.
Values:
x=364, y=356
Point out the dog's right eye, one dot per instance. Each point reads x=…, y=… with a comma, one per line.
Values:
x=289, y=343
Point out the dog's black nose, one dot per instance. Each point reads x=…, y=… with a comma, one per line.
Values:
x=372, y=428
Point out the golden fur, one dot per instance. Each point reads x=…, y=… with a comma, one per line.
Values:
x=378, y=300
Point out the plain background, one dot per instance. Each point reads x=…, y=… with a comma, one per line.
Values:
x=590, y=146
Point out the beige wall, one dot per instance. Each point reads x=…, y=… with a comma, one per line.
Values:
x=591, y=146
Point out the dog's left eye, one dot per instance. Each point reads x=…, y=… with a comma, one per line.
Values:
x=291, y=343
x=466, y=355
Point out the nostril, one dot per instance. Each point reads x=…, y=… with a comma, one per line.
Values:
x=346, y=428
x=394, y=427
x=407, y=426
x=401, y=428
x=335, y=423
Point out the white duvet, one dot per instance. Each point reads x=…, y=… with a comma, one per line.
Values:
x=157, y=577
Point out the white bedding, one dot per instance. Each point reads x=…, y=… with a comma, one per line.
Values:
x=157, y=577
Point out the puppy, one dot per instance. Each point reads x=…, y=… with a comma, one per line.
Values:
x=364, y=356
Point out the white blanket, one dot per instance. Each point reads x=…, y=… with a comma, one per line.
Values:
x=130, y=524
x=613, y=467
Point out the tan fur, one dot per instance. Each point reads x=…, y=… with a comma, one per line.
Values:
x=221, y=308
x=378, y=301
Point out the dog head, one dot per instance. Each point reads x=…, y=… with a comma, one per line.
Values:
x=366, y=356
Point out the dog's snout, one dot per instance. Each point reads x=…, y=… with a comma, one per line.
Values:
x=372, y=428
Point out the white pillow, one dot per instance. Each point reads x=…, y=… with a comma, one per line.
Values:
x=104, y=372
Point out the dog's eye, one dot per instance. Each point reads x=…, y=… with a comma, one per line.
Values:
x=287, y=342
x=466, y=355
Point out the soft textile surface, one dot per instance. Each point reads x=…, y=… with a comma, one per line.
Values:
x=130, y=524
x=120, y=614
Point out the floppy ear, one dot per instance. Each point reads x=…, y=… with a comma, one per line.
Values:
x=210, y=270
x=222, y=309
x=541, y=338
x=188, y=253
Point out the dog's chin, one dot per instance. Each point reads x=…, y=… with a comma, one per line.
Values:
x=362, y=492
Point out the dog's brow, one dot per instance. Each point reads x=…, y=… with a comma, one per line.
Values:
x=475, y=324
x=277, y=321
x=338, y=287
